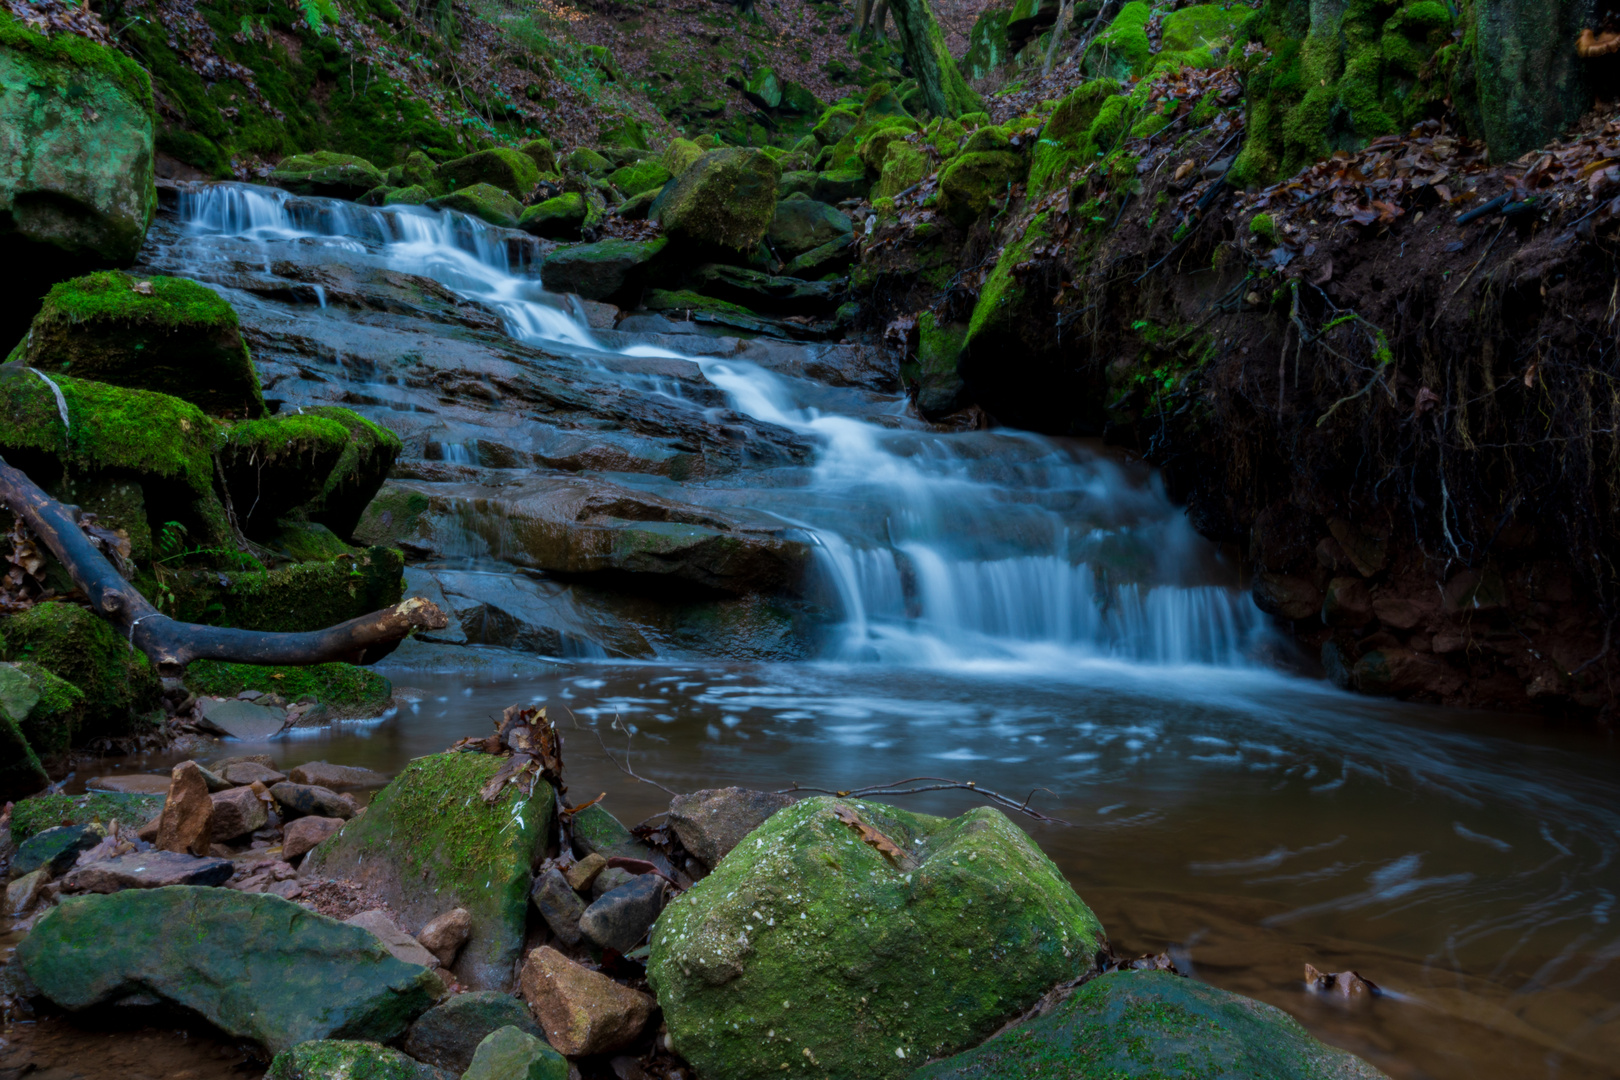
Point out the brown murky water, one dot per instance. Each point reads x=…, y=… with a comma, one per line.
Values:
x=1248, y=822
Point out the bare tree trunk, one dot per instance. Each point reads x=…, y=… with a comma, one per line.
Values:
x=1065, y=14
x=171, y=645
x=944, y=91
x=880, y=21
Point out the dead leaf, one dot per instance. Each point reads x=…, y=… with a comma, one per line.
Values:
x=872, y=836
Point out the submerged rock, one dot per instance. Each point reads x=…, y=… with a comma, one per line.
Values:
x=253, y=965
x=512, y=1054
x=879, y=937
x=447, y=1035
x=447, y=849
x=342, y=1059
x=1154, y=1023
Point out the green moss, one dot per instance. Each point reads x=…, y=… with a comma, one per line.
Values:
x=327, y=173
x=1263, y=227
x=874, y=148
x=587, y=161
x=1122, y=50
x=108, y=296
x=560, y=218
x=679, y=155
x=334, y=1059
x=414, y=195
x=117, y=684
x=369, y=452
x=43, y=812
x=687, y=300
x=972, y=183
x=297, y=598
x=483, y=201
x=903, y=167
x=344, y=685
x=512, y=172
x=57, y=716
x=642, y=176
x=76, y=52
x=21, y=772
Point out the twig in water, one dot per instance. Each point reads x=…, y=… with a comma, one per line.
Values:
x=625, y=768
x=937, y=783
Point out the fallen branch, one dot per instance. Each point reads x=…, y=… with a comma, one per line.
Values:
x=171, y=645
x=625, y=768
x=935, y=783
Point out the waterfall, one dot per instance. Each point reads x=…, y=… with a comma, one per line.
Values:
x=935, y=549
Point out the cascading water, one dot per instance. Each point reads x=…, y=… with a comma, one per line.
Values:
x=985, y=546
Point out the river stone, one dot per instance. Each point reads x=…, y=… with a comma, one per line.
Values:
x=1141, y=1023
x=23, y=893
x=444, y=936
x=148, y=870
x=509, y=1053
x=484, y=201
x=341, y=1059
x=133, y=784
x=243, y=773
x=242, y=719
x=583, y=873
x=306, y=833
x=447, y=849
x=447, y=1035
x=329, y=174
x=600, y=271
x=558, y=218
x=597, y=832
x=76, y=162
x=710, y=823
x=55, y=850
x=402, y=945
x=620, y=919
x=725, y=199
x=185, y=824
x=582, y=1011
x=304, y=800
x=559, y=905
x=253, y=965
x=336, y=777
x=801, y=225
x=874, y=958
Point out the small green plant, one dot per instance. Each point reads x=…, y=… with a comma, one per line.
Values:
x=1264, y=228
x=317, y=13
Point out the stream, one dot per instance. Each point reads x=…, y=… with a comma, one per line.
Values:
x=744, y=562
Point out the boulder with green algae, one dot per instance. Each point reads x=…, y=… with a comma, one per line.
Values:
x=1151, y=1023
x=801, y=225
x=448, y=1034
x=510, y=1053
x=337, y=176
x=679, y=155
x=368, y=454
x=513, y=172
x=588, y=162
x=42, y=812
x=830, y=258
x=278, y=463
x=542, y=153
x=840, y=184
x=164, y=334
x=940, y=389
x=834, y=124
x=1004, y=329
x=253, y=965
x=83, y=649
x=875, y=147
x=414, y=195
x=417, y=170
x=726, y=199
x=808, y=943
x=301, y=597
x=21, y=771
x=46, y=709
x=347, y=1059
x=626, y=132
x=76, y=160
x=1122, y=49
x=353, y=690
x=560, y=218
x=600, y=271
x=428, y=844
x=973, y=183
x=642, y=176
x=1087, y=122
x=766, y=292
x=904, y=166
x=483, y=201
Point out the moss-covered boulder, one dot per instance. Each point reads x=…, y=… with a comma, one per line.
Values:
x=46, y=710
x=839, y=184
x=302, y=597
x=414, y=195
x=679, y=155
x=164, y=334
x=253, y=965
x=904, y=166
x=76, y=162
x=417, y=170
x=351, y=484
x=560, y=218
x=118, y=686
x=940, y=388
x=973, y=182
x=277, y=463
x=587, y=162
x=340, y=688
x=1151, y=1023
x=726, y=199
x=639, y=177
x=875, y=147
x=21, y=771
x=510, y=1053
x=347, y=1059
x=604, y=270
x=336, y=176
x=513, y=172
x=483, y=201
x=809, y=942
x=803, y=224
x=542, y=153
x=428, y=844
x=1087, y=123
x=1122, y=49
x=623, y=131
x=988, y=47
x=834, y=124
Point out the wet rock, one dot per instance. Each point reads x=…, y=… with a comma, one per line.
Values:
x=833, y=257
x=1346, y=985
x=1286, y=597
x=483, y=201
x=444, y=936
x=134, y=784
x=243, y=773
x=512, y=171
x=21, y=771
x=581, y=874
x=336, y=777
x=242, y=719
x=1347, y=603
x=148, y=870
x=620, y=918
x=276, y=464
x=809, y=911
x=1154, y=1023
x=447, y=1035
x=402, y=945
x=559, y=905
x=802, y=225
x=324, y=173
x=255, y=966
x=604, y=270
x=184, y=826
x=1400, y=612
x=559, y=218
x=304, y=834
x=55, y=850
x=1394, y=671
x=759, y=291
x=582, y=1011
x=237, y=812
x=710, y=823
x=25, y=892
x=224, y=765
x=448, y=849
x=309, y=800
x=334, y=1059
x=726, y=198
x=597, y=832
x=509, y=1053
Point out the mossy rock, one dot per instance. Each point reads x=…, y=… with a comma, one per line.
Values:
x=43, y=812
x=726, y=199
x=48, y=710
x=542, y=153
x=369, y=452
x=606, y=270
x=347, y=1059
x=801, y=225
x=987, y=140
x=560, y=218
x=394, y=515
x=513, y=172
x=801, y=182
x=483, y=201
x=76, y=166
x=119, y=687
x=119, y=503
x=840, y=184
x=587, y=162
x=807, y=941
x=642, y=176
x=988, y=48
x=1086, y=124
x=255, y=966
x=415, y=195
x=626, y=132
x=903, y=167
x=428, y=843
x=1123, y=49
x=417, y=170
x=875, y=147
x=164, y=334
x=21, y=771
x=1152, y=1023
x=278, y=463
x=333, y=175
x=834, y=124
x=940, y=388
x=679, y=155
x=972, y=183
x=342, y=688
x=291, y=599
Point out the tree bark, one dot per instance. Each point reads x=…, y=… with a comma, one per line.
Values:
x=171, y=645
x=944, y=91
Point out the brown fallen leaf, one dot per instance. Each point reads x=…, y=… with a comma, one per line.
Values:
x=895, y=853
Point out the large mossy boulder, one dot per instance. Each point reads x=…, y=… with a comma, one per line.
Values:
x=606, y=270
x=725, y=199
x=679, y=155
x=35, y=815
x=973, y=182
x=340, y=689
x=641, y=176
x=512, y=171
x=329, y=174
x=76, y=162
x=118, y=686
x=1151, y=1023
x=1087, y=123
x=428, y=844
x=988, y=45
x=803, y=224
x=483, y=201
x=361, y=468
x=559, y=218
x=292, y=599
x=903, y=167
x=808, y=942
x=278, y=463
x=587, y=162
x=347, y=1059
x=47, y=712
x=21, y=771
x=164, y=334
x=254, y=965
x=542, y=153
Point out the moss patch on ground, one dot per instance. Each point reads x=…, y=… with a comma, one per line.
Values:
x=43, y=812
x=119, y=686
x=344, y=685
